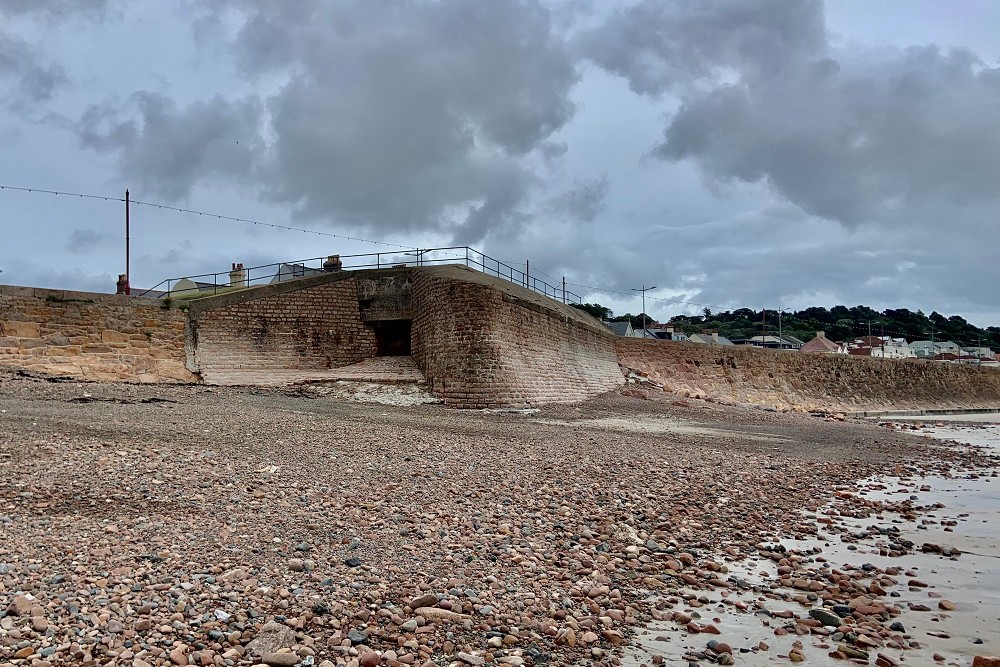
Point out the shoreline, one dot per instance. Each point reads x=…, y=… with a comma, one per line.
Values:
x=925, y=545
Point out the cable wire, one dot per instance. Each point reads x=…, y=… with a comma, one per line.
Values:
x=189, y=211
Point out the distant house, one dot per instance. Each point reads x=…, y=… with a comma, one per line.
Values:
x=622, y=329
x=978, y=352
x=288, y=272
x=710, y=339
x=823, y=345
x=182, y=287
x=884, y=347
x=662, y=332
x=772, y=342
x=925, y=349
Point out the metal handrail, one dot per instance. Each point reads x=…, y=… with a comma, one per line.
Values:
x=471, y=257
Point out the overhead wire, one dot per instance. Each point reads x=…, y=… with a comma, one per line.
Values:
x=218, y=216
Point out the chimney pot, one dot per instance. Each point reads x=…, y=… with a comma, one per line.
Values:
x=238, y=275
x=333, y=263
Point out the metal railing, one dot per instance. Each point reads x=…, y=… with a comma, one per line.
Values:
x=190, y=287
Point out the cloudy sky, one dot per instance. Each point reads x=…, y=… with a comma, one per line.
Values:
x=733, y=153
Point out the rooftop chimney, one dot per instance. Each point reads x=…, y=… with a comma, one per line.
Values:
x=670, y=329
x=820, y=334
x=122, y=286
x=333, y=263
x=238, y=276
x=715, y=336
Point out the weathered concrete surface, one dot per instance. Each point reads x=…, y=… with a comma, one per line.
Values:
x=91, y=336
x=808, y=382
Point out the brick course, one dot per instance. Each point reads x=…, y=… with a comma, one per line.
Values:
x=91, y=336
x=315, y=328
x=480, y=346
x=809, y=382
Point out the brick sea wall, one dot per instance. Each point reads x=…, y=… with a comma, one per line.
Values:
x=809, y=382
x=484, y=347
x=314, y=328
x=91, y=336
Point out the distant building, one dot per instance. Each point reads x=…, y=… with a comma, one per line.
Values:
x=288, y=272
x=772, y=342
x=925, y=349
x=623, y=329
x=710, y=339
x=823, y=345
x=978, y=352
x=884, y=347
x=661, y=332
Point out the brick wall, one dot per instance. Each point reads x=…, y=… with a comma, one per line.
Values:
x=790, y=380
x=307, y=325
x=484, y=343
x=91, y=336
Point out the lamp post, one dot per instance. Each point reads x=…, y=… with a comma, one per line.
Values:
x=780, y=339
x=643, y=289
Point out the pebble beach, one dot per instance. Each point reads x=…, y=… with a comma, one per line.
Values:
x=151, y=525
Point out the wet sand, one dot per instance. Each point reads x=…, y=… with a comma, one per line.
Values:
x=960, y=512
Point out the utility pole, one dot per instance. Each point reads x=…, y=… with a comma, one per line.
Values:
x=780, y=311
x=933, y=345
x=763, y=327
x=643, y=289
x=128, y=275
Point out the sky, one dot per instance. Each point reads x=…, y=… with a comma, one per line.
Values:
x=730, y=153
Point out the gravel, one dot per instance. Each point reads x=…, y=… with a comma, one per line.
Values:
x=231, y=526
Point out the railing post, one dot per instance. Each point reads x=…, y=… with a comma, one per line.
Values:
x=527, y=272
x=564, y=289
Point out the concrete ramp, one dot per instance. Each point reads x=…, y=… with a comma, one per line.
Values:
x=382, y=370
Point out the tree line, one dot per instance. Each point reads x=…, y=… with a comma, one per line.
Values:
x=840, y=323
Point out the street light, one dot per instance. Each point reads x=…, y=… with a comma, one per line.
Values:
x=643, y=289
x=780, y=339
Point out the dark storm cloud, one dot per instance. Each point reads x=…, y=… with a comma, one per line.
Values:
x=22, y=68
x=33, y=77
x=584, y=202
x=390, y=115
x=853, y=136
x=84, y=240
x=657, y=44
x=168, y=149
x=856, y=140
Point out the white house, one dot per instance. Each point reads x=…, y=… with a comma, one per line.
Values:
x=926, y=349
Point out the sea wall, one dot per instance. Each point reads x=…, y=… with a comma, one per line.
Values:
x=91, y=336
x=483, y=342
x=808, y=382
x=306, y=324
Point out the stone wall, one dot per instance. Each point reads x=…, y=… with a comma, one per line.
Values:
x=307, y=324
x=483, y=342
x=808, y=382
x=91, y=336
